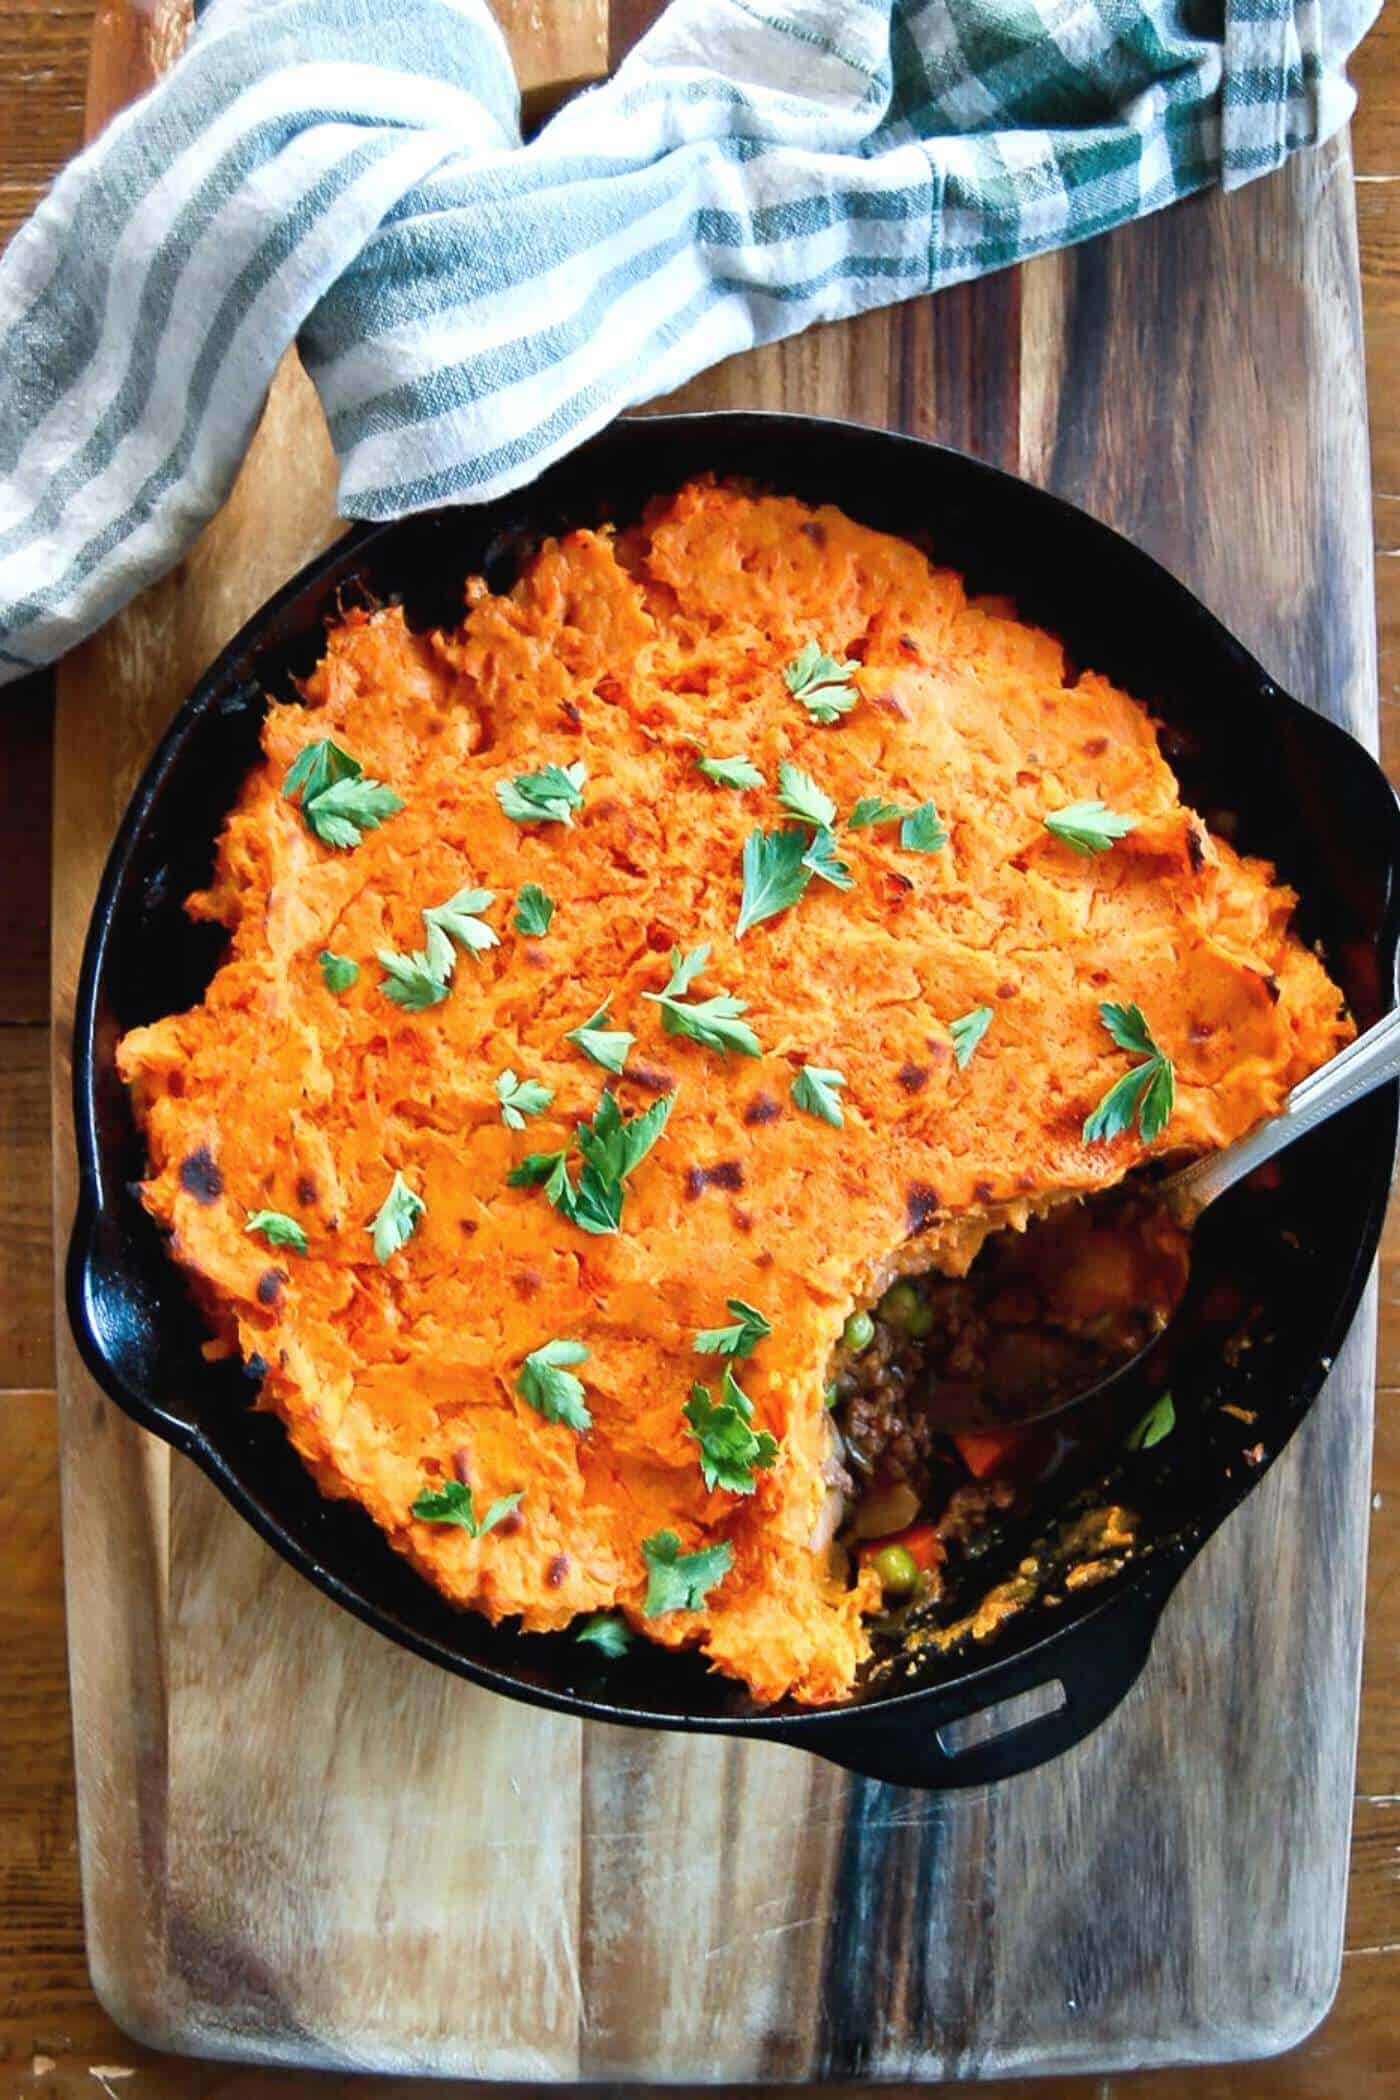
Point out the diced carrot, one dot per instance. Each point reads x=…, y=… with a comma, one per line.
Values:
x=988, y=1451
x=921, y=1541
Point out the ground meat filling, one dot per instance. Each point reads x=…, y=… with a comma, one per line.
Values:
x=1041, y=1316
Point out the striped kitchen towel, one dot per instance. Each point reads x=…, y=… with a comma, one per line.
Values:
x=349, y=175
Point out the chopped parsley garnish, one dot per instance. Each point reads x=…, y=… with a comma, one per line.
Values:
x=607, y=1047
x=396, y=1220
x=337, y=802
x=607, y=1630
x=411, y=980
x=803, y=799
x=1157, y=1423
x=730, y=1449
x=612, y=1150
x=821, y=683
x=681, y=1581
x=922, y=830
x=731, y=772
x=520, y=1098
x=873, y=809
x=420, y=980
x=967, y=1032
x=344, y=813
x=277, y=1229
x=775, y=875
x=815, y=1090
x=821, y=859
x=548, y=797
x=316, y=767
x=1148, y=1091
x=550, y=1388
x=1090, y=827
x=452, y=1504
x=534, y=908
x=713, y=1022
x=456, y=921
x=338, y=971
x=749, y=1329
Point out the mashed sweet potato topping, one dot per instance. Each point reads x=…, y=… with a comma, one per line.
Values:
x=627, y=659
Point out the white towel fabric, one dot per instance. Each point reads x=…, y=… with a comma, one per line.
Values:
x=349, y=175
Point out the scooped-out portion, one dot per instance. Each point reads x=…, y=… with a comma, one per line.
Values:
x=727, y=925
x=935, y=1391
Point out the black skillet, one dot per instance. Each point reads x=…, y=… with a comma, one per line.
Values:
x=1294, y=786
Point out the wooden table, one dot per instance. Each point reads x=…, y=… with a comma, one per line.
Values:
x=47, y=2013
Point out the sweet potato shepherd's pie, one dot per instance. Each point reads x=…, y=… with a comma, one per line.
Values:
x=632, y=998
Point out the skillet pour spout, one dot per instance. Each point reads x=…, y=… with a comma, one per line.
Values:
x=1295, y=1259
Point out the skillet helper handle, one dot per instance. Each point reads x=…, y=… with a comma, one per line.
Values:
x=928, y=1743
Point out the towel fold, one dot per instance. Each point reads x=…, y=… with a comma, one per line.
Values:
x=349, y=175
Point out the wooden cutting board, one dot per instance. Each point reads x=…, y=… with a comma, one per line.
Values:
x=300, y=1844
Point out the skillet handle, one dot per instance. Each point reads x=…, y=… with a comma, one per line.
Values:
x=120, y=1329
x=1094, y=1664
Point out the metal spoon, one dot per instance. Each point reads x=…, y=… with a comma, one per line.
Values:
x=1364, y=1065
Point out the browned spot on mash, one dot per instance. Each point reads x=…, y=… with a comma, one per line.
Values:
x=200, y=1178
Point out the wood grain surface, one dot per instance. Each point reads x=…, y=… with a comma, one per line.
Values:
x=938, y=376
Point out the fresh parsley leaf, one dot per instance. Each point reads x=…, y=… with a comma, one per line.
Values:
x=713, y=1022
x=535, y=1168
x=1157, y=1423
x=821, y=683
x=594, y=1206
x=552, y=1390
x=775, y=875
x=548, y=797
x=730, y=1450
x=342, y=813
x=612, y=1147
x=456, y=921
x=1158, y=1101
x=452, y=1504
x=1090, y=827
x=872, y=809
x=338, y=971
x=1119, y=1105
x=317, y=766
x=731, y=772
x=520, y=1098
x=607, y=1630
x=684, y=970
x=396, y=1220
x=815, y=1091
x=922, y=830
x=1148, y=1091
x=411, y=980
x=681, y=1581
x=967, y=1032
x=534, y=908
x=749, y=1329
x=277, y=1229
x=1128, y=1027
x=821, y=859
x=803, y=799
x=607, y=1047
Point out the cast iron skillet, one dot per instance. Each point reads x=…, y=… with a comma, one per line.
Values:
x=1297, y=788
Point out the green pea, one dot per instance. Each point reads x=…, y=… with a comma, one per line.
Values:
x=831, y=1396
x=898, y=1571
x=903, y=1308
x=858, y=1332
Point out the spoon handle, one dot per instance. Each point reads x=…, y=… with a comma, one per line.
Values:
x=1367, y=1063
